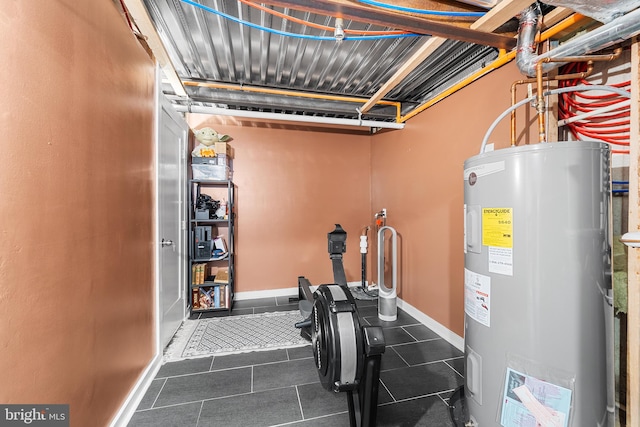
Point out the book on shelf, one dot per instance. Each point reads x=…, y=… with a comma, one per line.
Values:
x=195, y=298
x=209, y=296
x=194, y=274
x=206, y=297
x=208, y=292
x=216, y=297
x=223, y=299
x=222, y=276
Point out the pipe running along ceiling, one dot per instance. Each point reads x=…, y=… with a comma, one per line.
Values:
x=360, y=60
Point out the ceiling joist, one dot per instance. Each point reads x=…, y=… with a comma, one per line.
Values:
x=495, y=18
x=142, y=19
x=398, y=20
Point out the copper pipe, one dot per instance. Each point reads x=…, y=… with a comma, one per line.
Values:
x=513, y=113
x=595, y=58
x=540, y=104
x=256, y=89
x=503, y=58
x=561, y=77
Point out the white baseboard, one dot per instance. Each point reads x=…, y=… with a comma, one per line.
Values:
x=359, y=284
x=446, y=334
x=283, y=292
x=452, y=338
x=239, y=296
x=136, y=394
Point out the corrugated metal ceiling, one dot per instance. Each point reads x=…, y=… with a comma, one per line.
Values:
x=216, y=56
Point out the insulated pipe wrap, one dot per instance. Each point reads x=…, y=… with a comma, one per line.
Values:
x=526, y=47
x=614, y=32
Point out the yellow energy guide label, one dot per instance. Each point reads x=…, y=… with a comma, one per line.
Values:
x=497, y=235
x=497, y=227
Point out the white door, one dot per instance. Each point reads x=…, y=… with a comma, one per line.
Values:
x=172, y=134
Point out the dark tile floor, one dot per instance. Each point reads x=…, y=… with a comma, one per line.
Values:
x=419, y=372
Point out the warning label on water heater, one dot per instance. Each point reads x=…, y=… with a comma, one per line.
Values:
x=497, y=234
x=501, y=260
x=477, y=297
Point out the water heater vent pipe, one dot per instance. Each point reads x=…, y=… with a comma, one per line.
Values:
x=616, y=31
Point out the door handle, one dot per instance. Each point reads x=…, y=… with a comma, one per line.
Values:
x=166, y=242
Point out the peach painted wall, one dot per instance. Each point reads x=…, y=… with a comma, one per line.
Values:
x=76, y=207
x=417, y=175
x=293, y=184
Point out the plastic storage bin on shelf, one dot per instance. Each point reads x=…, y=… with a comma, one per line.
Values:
x=210, y=172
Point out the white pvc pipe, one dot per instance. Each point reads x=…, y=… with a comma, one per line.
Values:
x=602, y=110
x=287, y=117
x=580, y=88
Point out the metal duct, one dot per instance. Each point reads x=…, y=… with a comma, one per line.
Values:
x=616, y=31
x=287, y=117
x=240, y=99
x=526, y=57
x=600, y=10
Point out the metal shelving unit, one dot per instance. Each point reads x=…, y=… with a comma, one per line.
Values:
x=224, y=227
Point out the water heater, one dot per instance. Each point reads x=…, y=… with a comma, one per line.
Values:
x=538, y=286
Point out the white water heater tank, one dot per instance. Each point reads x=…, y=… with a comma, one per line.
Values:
x=538, y=286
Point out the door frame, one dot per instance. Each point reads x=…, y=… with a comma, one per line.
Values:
x=163, y=104
x=133, y=399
